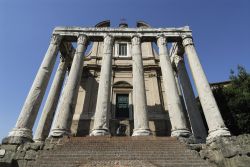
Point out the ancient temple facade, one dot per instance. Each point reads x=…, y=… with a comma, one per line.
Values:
x=127, y=83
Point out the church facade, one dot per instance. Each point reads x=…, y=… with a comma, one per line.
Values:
x=127, y=83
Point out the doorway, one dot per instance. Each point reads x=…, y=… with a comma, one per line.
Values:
x=122, y=106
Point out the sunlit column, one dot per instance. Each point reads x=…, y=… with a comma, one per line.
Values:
x=197, y=125
x=69, y=95
x=141, y=124
x=101, y=121
x=177, y=117
x=23, y=129
x=211, y=111
x=49, y=109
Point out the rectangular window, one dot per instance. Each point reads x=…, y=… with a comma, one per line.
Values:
x=122, y=49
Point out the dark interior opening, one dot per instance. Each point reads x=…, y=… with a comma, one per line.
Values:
x=122, y=106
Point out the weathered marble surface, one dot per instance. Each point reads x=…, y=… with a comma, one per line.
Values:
x=177, y=117
x=196, y=121
x=174, y=34
x=69, y=95
x=23, y=129
x=49, y=109
x=101, y=118
x=211, y=111
x=141, y=127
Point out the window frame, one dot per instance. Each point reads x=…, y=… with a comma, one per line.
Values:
x=122, y=49
x=117, y=49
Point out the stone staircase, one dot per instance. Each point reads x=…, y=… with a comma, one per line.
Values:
x=120, y=152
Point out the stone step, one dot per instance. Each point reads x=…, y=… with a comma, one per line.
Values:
x=117, y=153
x=120, y=151
x=186, y=157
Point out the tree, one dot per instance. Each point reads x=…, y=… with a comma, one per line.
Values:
x=234, y=102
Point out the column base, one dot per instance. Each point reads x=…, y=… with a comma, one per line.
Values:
x=141, y=132
x=40, y=140
x=99, y=132
x=181, y=133
x=221, y=132
x=18, y=136
x=60, y=132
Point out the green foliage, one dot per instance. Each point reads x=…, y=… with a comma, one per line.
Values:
x=234, y=102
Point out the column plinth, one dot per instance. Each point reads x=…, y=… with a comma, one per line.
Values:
x=141, y=125
x=177, y=117
x=23, y=128
x=101, y=122
x=67, y=102
x=48, y=112
x=211, y=111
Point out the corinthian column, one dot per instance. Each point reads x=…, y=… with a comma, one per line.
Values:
x=101, y=122
x=23, y=129
x=69, y=96
x=49, y=109
x=194, y=114
x=211, y=111
x=177, y=117
x=141, y=127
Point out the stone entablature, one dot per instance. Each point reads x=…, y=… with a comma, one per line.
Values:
x=147, y=34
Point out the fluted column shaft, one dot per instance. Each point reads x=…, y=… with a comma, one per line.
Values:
x=211, y=111
x=194, y=114
x=69, y=96
x=49, y=109
x=177, y=117
x=141, y=124
x=23, y=129
x=101, y=122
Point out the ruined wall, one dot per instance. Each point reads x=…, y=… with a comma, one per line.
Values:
x=225, y=151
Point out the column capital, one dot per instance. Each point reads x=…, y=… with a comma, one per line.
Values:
x=108, y=39
x=82, y=39
x=161, y=40
x=56, y=39
x=187, y=40
x=136, y=40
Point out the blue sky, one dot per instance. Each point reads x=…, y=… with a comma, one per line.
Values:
x=221, y=31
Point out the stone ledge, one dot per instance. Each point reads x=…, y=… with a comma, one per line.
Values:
x=23, y=155
x=225, y=151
